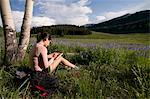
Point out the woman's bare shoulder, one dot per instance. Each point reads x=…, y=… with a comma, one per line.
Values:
x=41, y=47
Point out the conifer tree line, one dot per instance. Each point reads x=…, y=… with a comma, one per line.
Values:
x=62, y=30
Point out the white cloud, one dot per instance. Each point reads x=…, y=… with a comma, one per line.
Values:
x=100, y=18
x=72, y=13
x=78, y=20
x=18, y=17
x=82, y=2
x=42, y=21
x=36, y=20
x=110, y=15
x=143, y=6
x=56, y=12
x=113, y=14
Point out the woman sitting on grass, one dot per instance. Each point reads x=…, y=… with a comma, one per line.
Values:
x=41, y=61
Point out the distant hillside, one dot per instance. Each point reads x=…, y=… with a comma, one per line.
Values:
x=138, y=22
x=62, y=30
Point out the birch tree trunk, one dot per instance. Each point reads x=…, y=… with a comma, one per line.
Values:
x=9, y=32
x=25, y=30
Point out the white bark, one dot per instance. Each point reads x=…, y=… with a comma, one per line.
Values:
x=25, y=29
x=6, y=14
x=9, y=31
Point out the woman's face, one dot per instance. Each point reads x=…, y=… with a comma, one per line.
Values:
x=46, y=42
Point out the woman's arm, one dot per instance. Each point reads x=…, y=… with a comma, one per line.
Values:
x=45, y=57
x=53, y=55
x=50, y=55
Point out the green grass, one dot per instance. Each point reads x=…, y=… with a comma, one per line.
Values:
x=105, y=37
x=104, y=73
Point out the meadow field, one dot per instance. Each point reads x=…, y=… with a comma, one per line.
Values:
x=112, y=66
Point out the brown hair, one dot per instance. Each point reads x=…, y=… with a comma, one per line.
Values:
x=43, y=36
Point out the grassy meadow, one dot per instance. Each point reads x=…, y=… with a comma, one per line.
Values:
x=112, y=66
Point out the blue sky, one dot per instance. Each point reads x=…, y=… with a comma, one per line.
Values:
x=78, y=12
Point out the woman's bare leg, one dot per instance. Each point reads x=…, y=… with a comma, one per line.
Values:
x=59, y=60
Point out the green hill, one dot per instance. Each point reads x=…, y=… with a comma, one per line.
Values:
x=138, y=22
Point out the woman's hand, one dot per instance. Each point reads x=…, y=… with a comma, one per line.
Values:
x=55, y=54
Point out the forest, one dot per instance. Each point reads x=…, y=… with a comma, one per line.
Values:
x=62, y=30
